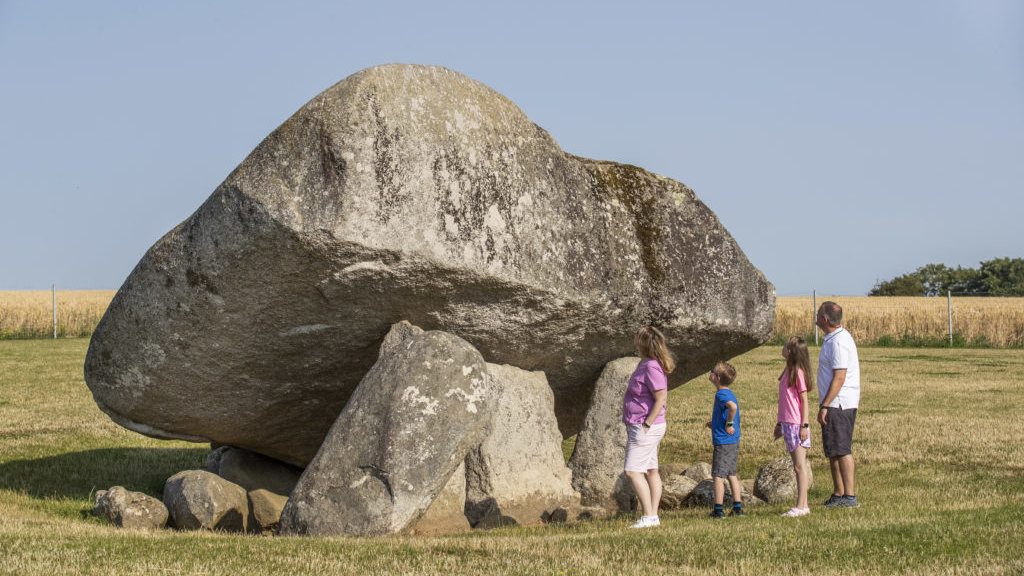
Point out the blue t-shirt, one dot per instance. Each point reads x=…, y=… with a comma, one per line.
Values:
x=720, y=415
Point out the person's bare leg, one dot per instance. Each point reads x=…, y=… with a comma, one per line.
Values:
x=719, y=491
x=837, y=477
x=643, y=491
x=654, y=482
x=737, y=489
x=799, y=457
x=846, y=469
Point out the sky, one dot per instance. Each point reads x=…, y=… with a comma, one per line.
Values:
x=840, y=143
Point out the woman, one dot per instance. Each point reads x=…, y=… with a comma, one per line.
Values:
x=643, y=412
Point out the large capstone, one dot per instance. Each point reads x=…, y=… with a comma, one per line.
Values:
x=411, y=192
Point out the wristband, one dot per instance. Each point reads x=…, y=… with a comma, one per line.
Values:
x=729, y=423
x=805, y=425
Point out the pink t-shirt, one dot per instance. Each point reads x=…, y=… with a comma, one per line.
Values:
x=789, y=398
x=639, y=398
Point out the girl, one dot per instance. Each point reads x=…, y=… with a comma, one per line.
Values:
x=793, y=423
x=643, y=412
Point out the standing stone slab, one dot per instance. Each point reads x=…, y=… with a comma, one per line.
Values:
x=518, y=471
x=126, y=509
x=411, y=192
x=406, y=429
x=201, y=500
x=600, y=452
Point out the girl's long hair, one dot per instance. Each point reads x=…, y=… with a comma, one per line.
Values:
x=798, y=357
x=650, y=343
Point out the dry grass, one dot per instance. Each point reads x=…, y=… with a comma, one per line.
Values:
x=29, y=313
x=888, y=320
x=940, y=474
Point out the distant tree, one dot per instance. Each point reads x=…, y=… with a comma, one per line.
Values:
x=1003, y=276
x=996, y=277
x=906, y=285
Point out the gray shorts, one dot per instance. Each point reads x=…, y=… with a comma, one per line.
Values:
x=837, y=433
x=724, y=461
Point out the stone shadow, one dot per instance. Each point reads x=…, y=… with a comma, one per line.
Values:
x=76, y=475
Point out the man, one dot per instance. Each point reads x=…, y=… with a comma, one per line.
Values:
x=839, y=393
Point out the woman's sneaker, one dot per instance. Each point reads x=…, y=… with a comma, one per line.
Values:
x=647, y=522
x=717, y=514
x=795, y=512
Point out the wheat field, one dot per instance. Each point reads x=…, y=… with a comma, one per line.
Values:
x=29, y=313
x=997, y=322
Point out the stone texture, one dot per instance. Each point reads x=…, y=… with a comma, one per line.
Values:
x=126, y=509
x=518, y=470
x=254, y=471
x=408, y=426
x=676, y=489
x=703, y=495
x=201, y=500
x=699, y=471
x=411, y=192
x=447, y=513
x=266, y=509
x=600, y=451
x=776, y=481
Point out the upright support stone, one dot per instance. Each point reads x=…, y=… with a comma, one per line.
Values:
x=391, y=451
x=600, y=452
x=518, y=472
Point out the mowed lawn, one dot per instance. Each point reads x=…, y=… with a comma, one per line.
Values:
x=939, y=446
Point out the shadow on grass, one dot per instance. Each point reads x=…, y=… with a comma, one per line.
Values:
x=77, y=474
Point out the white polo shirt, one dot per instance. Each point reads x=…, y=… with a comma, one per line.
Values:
x=838, y=351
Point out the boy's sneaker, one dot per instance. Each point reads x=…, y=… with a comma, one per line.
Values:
x=796, y=512
x=737, y=512
x=833, y=501
x=717, y=514
x=848, y=502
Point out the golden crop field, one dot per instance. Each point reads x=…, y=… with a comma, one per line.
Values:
x=994, y=321
x=29, y=313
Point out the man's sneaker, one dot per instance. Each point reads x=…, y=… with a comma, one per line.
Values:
x=796, y=512
x=647, y=522
x=833, y=501
x=737, y=512
x=717, y=514
x=848, y=502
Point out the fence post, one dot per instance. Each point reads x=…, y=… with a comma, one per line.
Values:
x=949, y=313
x=53, y=288
x=814, y=314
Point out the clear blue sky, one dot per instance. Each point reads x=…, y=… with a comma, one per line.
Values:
x=839, y=142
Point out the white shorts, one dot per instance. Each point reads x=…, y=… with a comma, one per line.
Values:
x=642, y=448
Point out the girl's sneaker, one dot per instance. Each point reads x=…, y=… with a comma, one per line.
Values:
x=794, y=512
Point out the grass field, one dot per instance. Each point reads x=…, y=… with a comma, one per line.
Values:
x=940, y=450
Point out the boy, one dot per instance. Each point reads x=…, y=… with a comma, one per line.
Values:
x=725, y=435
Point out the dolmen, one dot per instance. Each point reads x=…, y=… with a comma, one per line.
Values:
x=413, y=196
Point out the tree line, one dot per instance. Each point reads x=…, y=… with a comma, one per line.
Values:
x=996, y=277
